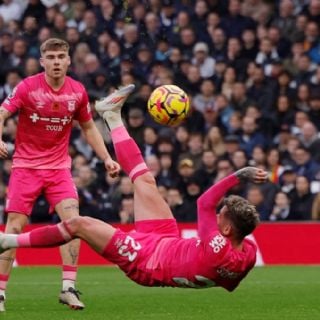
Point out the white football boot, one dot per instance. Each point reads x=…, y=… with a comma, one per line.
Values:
x=71, y=298
x=114, y=101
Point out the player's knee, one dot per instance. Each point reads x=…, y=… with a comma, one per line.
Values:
x=148, y=178
x=14, y=226
x=76, y=225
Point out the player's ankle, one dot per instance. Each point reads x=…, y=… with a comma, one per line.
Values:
x=66, y=284
x=3, y=293
x=113, y=119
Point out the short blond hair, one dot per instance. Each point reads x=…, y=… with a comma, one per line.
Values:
x=54, y=44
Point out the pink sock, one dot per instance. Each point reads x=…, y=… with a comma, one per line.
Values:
x=69, y=272
x=48, y=236
x=128, y=153
x=3, y=281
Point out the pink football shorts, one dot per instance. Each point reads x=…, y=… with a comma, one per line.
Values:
x=26, y=185
x=131, y=251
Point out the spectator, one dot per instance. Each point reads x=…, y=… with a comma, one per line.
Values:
x=205, y=99
x=256, y=9
x=195, y=149
x=314, y=111
x=305, y=165
x=167, y=174
x=228, y=83
x=224, y=168
x=303, y=98
x=283, y=115
x=261, y=90
x=281, y=208
x=300, y=118
x=214, y=141
x=126, y=210
x=32, y=67
x=301, y=200
x=193, y=191
x=13, y=77
x=225, y=110
x=239, y=159
x=185, y=170
x=239, y=99
x=310, y=139
x=207, y=171
x=10, y=10
x=288, y=180
x=202, y=59
x=250, y=136
x=181, y=139
x=234, y=23
x=136, y=125
x=144, y=60
x=150, y=138
x=187, y=41
x=286, y=19
x=274, y=167
x=179, y=207
x=249, y=44
x=218, y=42
x=152, y=29
x=256, y=197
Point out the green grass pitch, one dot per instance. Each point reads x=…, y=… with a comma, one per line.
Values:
x=269, y=293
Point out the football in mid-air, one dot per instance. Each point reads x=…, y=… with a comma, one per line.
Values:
x=168, y=105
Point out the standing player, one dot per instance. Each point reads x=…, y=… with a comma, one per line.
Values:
x=154, y=254
x=47, y=103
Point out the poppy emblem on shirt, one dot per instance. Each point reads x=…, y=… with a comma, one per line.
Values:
x=71, y=105
x=55, y=106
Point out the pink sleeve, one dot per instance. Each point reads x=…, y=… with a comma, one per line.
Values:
x=15, y=100
x=83, y=113
x=207, y=203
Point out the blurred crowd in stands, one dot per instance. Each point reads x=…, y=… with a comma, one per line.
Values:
x=250, y=67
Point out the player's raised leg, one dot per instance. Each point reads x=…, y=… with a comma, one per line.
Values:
x=148, y=203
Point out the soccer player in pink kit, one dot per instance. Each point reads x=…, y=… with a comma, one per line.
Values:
x=154, y=254
x=47, y=104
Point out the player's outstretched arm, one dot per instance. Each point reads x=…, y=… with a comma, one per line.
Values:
x=252, y=174
x=208, y=202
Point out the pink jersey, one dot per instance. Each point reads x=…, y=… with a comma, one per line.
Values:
x=164, y=259
x=45, y=121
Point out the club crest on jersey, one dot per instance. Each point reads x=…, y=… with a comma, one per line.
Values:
x=71, y=105
x=55, y=106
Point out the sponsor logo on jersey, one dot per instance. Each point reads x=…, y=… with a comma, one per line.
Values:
x=51, y=123
x=217, y=243
x=225, y=273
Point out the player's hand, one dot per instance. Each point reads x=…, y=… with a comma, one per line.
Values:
x=3, y=150
x=252, y=174
x=112, y=167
